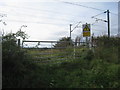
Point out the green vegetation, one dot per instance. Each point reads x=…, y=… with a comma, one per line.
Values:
x=64, y=42
x=94, y=68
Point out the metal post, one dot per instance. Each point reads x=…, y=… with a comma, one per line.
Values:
x=108, y=19
x=70, y=31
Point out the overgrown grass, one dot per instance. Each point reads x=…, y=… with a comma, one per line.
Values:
x=94, y=68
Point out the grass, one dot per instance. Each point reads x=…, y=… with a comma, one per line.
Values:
x=98, y=69
x=82, y=69
x=53, y=55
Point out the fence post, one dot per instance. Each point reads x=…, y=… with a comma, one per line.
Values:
x=74, y=50
x=87, y=42
x=22, y=43
x=51, y=49
x=18, y=42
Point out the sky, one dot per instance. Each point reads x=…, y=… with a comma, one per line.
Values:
x=50, y=19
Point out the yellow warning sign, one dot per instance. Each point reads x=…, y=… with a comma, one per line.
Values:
x=86, y=30
x=86, y=34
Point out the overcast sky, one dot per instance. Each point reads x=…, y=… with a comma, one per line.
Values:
x=50, y=19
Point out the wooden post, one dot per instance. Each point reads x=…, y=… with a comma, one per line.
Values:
x=74, y=51
x=87, y=41
x=18, y=42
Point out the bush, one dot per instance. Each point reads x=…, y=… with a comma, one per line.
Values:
x=107, y=49
x=17, y=67
x=14, y=62
x=97, y=69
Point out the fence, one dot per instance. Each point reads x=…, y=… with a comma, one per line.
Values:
x=54, y=51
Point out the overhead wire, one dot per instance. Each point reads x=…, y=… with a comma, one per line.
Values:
x=67, y=3
x=114, y=13
x=48, y=11
x=91, y=8
x=82, y=5
x=76, y=26
x=37, y=22
x=34, y=16
x=86, y=6
x=98, y=14
x=42, y=10
x=57, y=12
x=29, y=8
x=100, y=19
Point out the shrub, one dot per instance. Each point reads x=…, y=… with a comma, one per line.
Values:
x=16, y=64
x=107, y=49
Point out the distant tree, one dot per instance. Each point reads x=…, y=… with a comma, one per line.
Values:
x=64, y=42
x=21, y=34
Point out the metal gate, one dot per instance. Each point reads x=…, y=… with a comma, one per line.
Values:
x=49, y=52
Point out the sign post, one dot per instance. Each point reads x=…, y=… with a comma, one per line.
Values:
x=86, y=31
